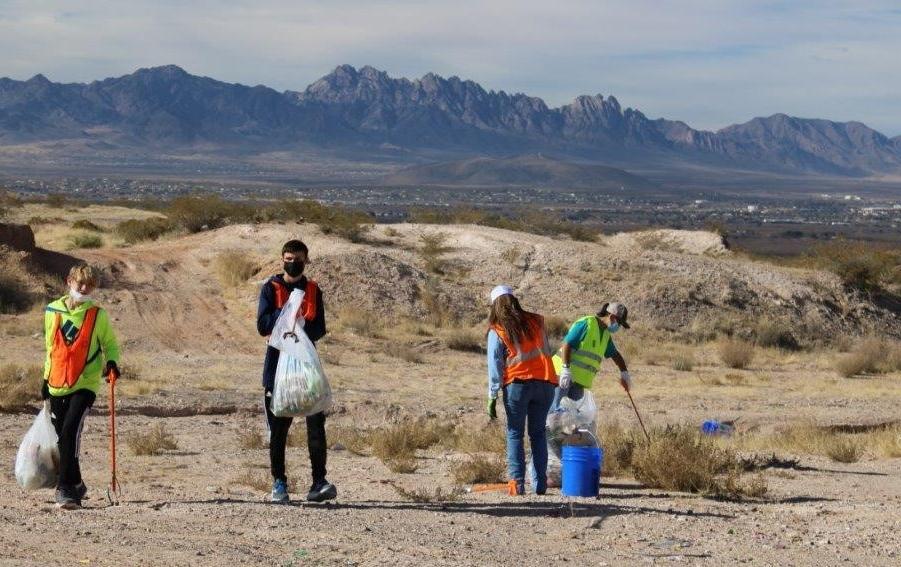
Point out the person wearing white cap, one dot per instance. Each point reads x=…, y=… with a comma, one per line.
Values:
x=519, y=362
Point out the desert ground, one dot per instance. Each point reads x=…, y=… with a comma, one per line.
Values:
x=406, y=312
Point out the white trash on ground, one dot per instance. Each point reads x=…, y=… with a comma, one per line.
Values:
x=37, y=462
x=300, y=388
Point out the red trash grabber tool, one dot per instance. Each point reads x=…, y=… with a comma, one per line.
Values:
x=113, y=489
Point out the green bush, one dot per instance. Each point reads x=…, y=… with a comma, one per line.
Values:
x=86, y=241
x=85, y=224
x=858, y=265
x=134, y=230
x=206, y=212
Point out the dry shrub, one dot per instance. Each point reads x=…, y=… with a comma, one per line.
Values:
x=858, y=265
x=845, y=450
x=251, y=439
x=871, y=356
x=396, y=445
x=206, y=212
x=735, y=379
x=491, y=439
x=234, y=268
x=362, y=322
x=465, y=340
x=439, y=312
x=425, y=496
x=736, y=353
x=405, y=353
x=619, y=446
x=85, y=224
x=511, y=255
x=775, y=334
x=479, y=469
x=256, y=479
x=807, y=438
x=86, y=241
x=353, y=439
x=886, y=442
x=680, y=458
x=19, y=386
x=133, y=231
x=152, y=442
x=432, y=247
x=556, y=328
x=684, y=361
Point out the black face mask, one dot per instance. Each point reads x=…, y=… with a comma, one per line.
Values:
x=294, y=268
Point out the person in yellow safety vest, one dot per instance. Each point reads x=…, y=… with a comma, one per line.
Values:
x=79, y=338
x=519, y=363
x=588, y=342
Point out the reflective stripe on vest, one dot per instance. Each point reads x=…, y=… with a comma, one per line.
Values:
x=67, y=361
x=530, y=358
x=585, y=360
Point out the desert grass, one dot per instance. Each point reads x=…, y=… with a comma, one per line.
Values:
x=256, y=479
x=404, y=352
x=396, y=444
x=736, y=353
x=683, y=361
x=20, y=386
x=250, y=438
x=133, y=231
x=354, y=439
x=432, y=248
x=490, y=439
x=465, y=339
x=234, y=267
x=362, y=322
x=85, y=240
x=872, y=355
x=806, y=438
x=680, y=458
x=297, y=436
x=479, y=469
x=426, y=496
x=153, y=442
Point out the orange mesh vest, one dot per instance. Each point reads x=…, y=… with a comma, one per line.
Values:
x=307, y=306
x=67, y=361
x=530, y=358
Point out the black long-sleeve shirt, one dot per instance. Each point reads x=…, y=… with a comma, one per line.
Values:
x=268, y=313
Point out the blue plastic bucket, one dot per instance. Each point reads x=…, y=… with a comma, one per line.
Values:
x=581, y=474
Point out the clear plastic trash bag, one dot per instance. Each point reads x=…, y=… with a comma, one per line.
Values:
x=37, y=462
x=574, y=422
x=300, y=388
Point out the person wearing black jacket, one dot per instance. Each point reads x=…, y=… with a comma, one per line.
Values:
x=273, y=296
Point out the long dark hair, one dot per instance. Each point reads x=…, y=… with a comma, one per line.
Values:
x=509, y=314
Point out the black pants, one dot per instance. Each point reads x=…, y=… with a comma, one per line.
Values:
x=67, y=414
x=278, y=438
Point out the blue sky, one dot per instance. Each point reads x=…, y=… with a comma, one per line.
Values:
x=710, y=63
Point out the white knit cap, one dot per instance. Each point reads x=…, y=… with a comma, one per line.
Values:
x=500, y=290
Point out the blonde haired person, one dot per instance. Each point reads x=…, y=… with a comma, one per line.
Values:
x=80, y=346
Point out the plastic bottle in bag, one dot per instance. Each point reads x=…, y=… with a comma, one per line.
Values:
x=37, y=461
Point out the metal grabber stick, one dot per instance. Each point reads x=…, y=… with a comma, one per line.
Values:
x=638, y=415
x=113, y=489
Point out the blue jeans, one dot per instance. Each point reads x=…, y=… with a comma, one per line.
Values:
x=527, y=401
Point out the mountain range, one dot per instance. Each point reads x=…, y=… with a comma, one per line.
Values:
x=365, y=111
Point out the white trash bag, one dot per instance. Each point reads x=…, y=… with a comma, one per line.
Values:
x=37, y=462
x=300, y=388
x=574, y=422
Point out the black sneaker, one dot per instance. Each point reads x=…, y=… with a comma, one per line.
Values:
x=81, y=491
x=67, y=498
x=321, y=491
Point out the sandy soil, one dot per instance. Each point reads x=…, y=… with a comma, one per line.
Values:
x=193, y=361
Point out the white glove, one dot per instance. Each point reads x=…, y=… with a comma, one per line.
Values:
x=625, y=380
x=566, y=379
